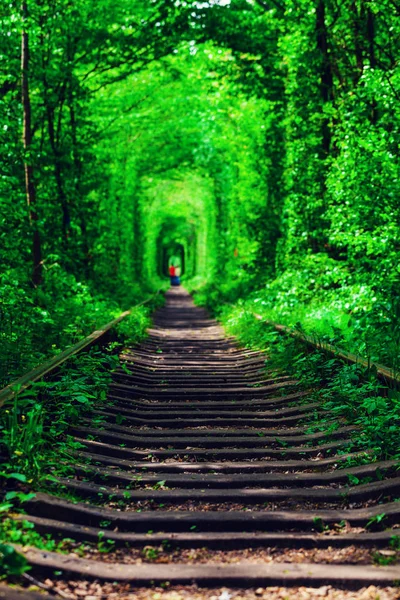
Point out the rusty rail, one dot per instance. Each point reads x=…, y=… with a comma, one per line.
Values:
x=384, y=373
x=26, y=380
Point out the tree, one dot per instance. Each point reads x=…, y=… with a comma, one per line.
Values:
x=27, y=143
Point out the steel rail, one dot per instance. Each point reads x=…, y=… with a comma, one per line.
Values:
x=26, y=380
x=384, y=373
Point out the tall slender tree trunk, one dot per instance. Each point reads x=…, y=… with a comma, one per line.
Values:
x=57, y=158
x=372, y=58
x=37, y=272
x=358, y=24
x=371, y=38
x=137, y=258
x=326, y=75
x=78, y=179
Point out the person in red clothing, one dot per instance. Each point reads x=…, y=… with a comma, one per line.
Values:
x=172, y=273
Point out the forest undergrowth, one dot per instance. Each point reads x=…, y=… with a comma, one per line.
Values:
x=37, y=324
x=350, y=392
x=35, y=448
x=325, y=300
x=33, y=422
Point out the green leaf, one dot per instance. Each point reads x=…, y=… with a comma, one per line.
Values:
x=17, y=476
x=11, y=562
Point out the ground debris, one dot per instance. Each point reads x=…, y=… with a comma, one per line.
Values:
x=95, y=591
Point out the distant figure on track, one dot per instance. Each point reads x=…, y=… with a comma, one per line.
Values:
x=173, y=274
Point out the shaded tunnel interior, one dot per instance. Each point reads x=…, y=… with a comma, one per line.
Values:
x=176, y=244
x=173, y=254
x=179, y=227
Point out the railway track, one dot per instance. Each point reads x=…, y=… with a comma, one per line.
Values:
x=204, y=470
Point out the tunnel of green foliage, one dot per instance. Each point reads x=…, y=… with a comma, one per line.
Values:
x=255, y=142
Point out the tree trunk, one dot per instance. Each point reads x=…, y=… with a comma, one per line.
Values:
x=326, y=76
x=55, y=146
x=372, y=58
x=37, y=273
x=78, y=178
x=358, y=40
x=137, y=258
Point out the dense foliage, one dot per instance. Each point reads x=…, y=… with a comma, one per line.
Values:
x=259, y=139
x=328, y=73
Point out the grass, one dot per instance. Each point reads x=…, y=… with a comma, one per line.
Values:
x=35, y=422
x=348, y=391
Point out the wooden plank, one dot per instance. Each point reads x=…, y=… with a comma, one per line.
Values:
x=244, y=573
x=225, y=404
x=222, y=421
x=121, y=435
x=235, y=480
x=246, y=496
x=228, y=453
x=221, y=540
x=152, y=429
x=45, y=505
x=262, y=466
